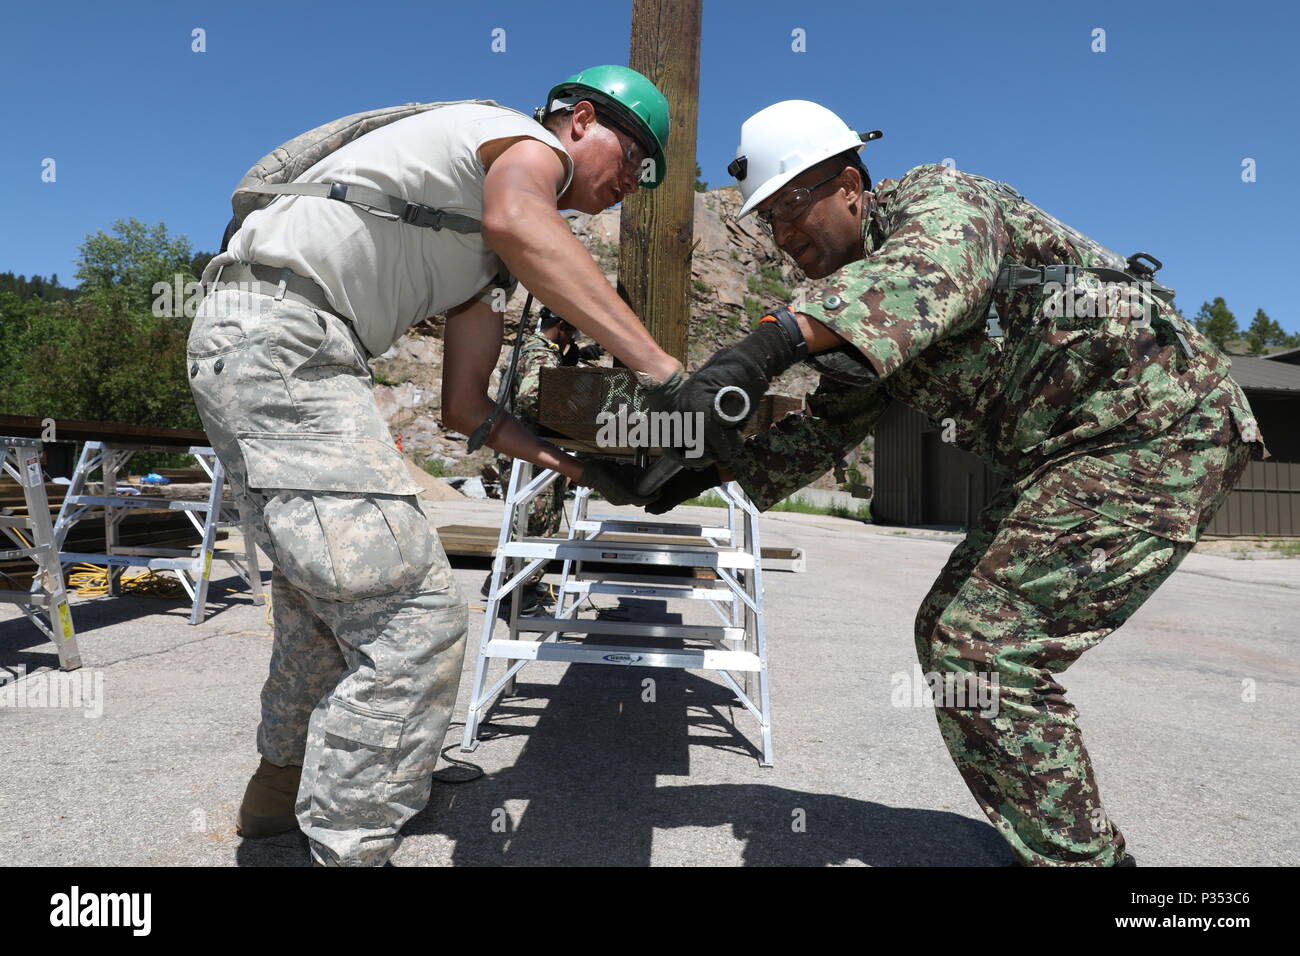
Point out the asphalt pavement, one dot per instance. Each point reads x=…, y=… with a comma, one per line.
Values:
x=1189, y=712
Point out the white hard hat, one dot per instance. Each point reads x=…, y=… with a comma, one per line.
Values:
x=782, y=141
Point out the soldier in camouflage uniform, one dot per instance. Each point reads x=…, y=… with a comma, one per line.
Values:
x=1115, y=423
x=549, y=346
x=369, y=623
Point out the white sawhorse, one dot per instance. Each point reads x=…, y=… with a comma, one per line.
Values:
x=193, y=570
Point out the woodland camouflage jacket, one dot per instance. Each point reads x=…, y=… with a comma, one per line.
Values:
x=1091, y=381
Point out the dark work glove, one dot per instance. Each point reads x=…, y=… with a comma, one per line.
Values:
x=576, y=354
x=749, y=364
x=615, y=482
x=683, y=486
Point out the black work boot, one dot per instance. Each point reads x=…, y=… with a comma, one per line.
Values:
x=268, y=804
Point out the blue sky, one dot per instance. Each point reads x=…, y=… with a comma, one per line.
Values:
x=1140, y=146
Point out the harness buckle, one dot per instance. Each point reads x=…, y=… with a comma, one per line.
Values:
x=1141, y=269
x=412, y=210
x=1060, y=274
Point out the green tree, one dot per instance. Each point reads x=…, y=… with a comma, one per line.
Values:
x=94, y=364
x=1216, y=322
x=37, y=287
x=25, y=325
x=1264, y=332
x=120, y=270
x=199, y=262
x=102, y=356
x=700, y=185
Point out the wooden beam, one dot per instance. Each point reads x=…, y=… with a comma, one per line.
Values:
x=658, y=226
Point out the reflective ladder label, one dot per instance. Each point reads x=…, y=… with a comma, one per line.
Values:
x=65, y=621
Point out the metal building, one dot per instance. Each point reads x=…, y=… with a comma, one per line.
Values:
x=921, y=480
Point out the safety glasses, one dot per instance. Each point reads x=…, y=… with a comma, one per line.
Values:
x=634, y=154
x=792, y=205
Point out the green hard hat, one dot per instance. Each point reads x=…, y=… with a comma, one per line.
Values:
x=632, y=100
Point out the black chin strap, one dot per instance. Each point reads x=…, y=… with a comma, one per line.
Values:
x=481, y=433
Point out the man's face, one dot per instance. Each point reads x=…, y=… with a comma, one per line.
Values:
x=825, y=233
x=606, y=162
x=561, y=333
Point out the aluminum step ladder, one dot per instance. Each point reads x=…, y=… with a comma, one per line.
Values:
x=731, y=551
x=192, y=568
x=34, y=536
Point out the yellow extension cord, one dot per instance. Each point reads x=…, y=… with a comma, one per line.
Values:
x=91, y=580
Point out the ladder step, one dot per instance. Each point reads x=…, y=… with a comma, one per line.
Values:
x=624, y=526
x=129, y=561
x=139, y=502
x=618, y=552
x=706, y=659
x=650, y=590
x=25, y=552
x=34, y=598
x=668, y=580
x=157, y=552
x=586, y=625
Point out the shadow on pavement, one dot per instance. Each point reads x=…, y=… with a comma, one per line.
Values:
x=589, y=775
x=18, y=636
x=586, y=789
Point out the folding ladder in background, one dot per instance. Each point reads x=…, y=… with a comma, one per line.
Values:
x=34, y=536
x=192, y=569
x=731, y=551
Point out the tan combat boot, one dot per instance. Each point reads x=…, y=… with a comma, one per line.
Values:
x=268, y=802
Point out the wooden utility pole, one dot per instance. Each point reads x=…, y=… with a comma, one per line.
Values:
x=657, y=228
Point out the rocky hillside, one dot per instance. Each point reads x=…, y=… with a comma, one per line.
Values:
x=736, y=275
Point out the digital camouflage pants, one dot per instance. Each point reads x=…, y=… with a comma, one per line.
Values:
x=1041, y=578
x=369, y=626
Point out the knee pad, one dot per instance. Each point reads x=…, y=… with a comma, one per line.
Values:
x=344, y=546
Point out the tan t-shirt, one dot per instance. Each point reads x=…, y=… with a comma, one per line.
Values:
x=386, y=276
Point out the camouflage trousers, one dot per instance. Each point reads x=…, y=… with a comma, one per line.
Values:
x=1037, y=582
x=369, y=624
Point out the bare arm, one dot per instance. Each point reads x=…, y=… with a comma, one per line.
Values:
x=819, y=336
x=472, y=344
x=522, y=226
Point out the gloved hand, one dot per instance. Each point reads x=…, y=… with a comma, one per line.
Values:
x=576, y=354
x=683, y=486
x=616, y=482
x=749, y=364
x=683, y=396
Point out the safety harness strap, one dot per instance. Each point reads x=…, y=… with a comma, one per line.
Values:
x=377, y=204
x=504, y=398
x=1014, y=276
